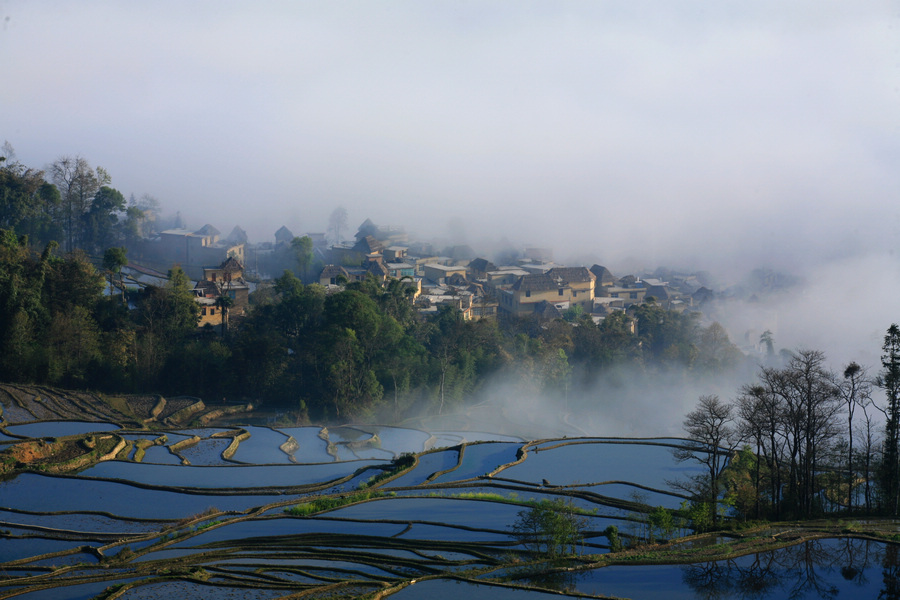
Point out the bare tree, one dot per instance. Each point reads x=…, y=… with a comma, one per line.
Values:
x=710, y=429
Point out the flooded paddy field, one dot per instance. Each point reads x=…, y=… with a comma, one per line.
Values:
x=259, y=512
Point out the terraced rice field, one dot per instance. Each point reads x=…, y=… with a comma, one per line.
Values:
x=240, y=513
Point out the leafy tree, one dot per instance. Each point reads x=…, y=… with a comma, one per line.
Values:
x=101, y=222
x=22, y=309
x=715, y=352
x=612, y=535
x=662, y=523
x=73, y=342
x=166, y=315
x=27, y=201
x=71, y=281
x=77, y=183
x=113, y=261
x=303, y=252
x=668, y=338
x=552, y=528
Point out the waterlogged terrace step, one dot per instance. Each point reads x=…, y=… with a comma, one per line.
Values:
x=450, y=589
x=576, y=463
x=311, y=447
x=263, y=447
x=236, y=476
x=429, y=464
x=42, y=493
x=59, y=428
x=480, y=459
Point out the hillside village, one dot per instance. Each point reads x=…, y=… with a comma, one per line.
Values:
x=530, y=286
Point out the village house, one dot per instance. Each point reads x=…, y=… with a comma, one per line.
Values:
x=561, y=287
x=438, y=273
x=225, y=280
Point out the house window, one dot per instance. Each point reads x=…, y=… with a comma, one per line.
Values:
x=212, y=311
x=528, y=293
x=574, y=294
x=560, y=290
x=614, y=295
x=632, y=295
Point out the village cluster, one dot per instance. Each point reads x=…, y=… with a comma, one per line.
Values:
x=532, y=285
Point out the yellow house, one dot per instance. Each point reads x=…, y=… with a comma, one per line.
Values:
x=438, y=273
x=571, y=285
x=225, y=280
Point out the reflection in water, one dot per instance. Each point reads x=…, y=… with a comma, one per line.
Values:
x=891, y=569
x=813, y=569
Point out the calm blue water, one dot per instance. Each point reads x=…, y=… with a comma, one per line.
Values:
x=831, y=568
x=574, y=464
x=481, y=459
x=237, y=476
x=59, y=428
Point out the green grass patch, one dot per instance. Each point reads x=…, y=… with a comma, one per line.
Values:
x=327, y=503
x=400, y=464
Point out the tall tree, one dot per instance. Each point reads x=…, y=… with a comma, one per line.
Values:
x=710, y=428
x=22, y=309
x=101, y=226
x=26, y=200
x=889, y=381
x=113, y=261
x=303, y=252
x=855, y=390
x=77, y=183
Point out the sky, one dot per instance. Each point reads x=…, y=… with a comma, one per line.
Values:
x=694, y=134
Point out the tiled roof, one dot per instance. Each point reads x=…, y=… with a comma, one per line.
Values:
x=482, y=265
x=334, y=271
x=284, y=233
x=602, y=274
x=368, y=244
x=208, y=230
x=571, y=274
x=535, y=283
x=232, y=265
